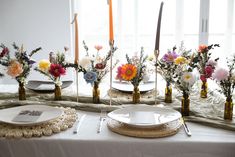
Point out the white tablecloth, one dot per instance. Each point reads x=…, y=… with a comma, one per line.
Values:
x=205, y=142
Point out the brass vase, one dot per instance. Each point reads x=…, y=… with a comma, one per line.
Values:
x=185, y=102
x=228, y=108
x=57, y=92
x=136, y=95
x=204, y=89
x=168, y=93
x=96, y=93
x=21, y=91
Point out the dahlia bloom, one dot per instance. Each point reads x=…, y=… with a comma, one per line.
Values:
x=56, y=70
x=14, y=69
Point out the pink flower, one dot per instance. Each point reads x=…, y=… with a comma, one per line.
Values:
x=14, y=69
x=202, y=48
x=220, y=74
x=56, y=70
x=209, y=70
x=98, y=47
x=119, y=73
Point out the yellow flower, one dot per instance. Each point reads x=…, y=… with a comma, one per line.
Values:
x=44, y=65
x=181, y=60
x=128, y=72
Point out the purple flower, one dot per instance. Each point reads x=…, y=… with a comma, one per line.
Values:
x=4, y=52
x=169, y=57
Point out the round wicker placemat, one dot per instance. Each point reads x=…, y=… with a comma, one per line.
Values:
x=62, y=123
x=155, y=132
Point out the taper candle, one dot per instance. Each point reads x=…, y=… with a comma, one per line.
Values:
x=157, y=42
x=110, y=21
x=76, y=40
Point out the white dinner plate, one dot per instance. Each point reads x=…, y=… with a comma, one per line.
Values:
x=144, y=116
x=128, y=87
x=47, y=113
x=45, y=86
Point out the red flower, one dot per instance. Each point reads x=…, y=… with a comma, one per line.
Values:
x=209, y=70
x=203, y=78
x=4, y=52
x=99, y=66
x=56, y=70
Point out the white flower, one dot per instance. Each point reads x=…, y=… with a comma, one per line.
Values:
x=85, y=62
x=188, y=77
x=211, y=62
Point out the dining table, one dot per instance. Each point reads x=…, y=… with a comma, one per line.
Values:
x=205, y=141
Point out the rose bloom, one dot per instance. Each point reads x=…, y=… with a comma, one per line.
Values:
x=99, y=66
x=202, y=48
x=14, y=69
x=220, y=74
x=98, y=47
x=56, y=70
x=44, y=65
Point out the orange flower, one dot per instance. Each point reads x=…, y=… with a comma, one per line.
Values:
x=202, y=48
x=14, y=69
x=128, y=72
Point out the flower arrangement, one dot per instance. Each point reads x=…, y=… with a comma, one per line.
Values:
x=54, y=68
x=205, y=65
x=226, y=80
x=18, y=67
x=133, y=71
x=95, y=67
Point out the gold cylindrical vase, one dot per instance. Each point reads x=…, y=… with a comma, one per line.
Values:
x=204, y=89
x=228, y=109
x=168, y=93
x=185, y=104
x=21, y=91
x=136, y=95
x=57, y=92
x=96, y=93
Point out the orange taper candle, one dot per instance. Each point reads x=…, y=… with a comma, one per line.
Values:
x=76, y=40
x=110, y=21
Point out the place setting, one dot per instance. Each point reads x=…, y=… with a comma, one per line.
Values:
x=145, y=121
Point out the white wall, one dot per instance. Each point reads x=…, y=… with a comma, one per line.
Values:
x=35, y=23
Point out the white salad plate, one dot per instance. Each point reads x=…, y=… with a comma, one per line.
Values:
x=128, y=87
x=143, y=116
x=11, y=115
